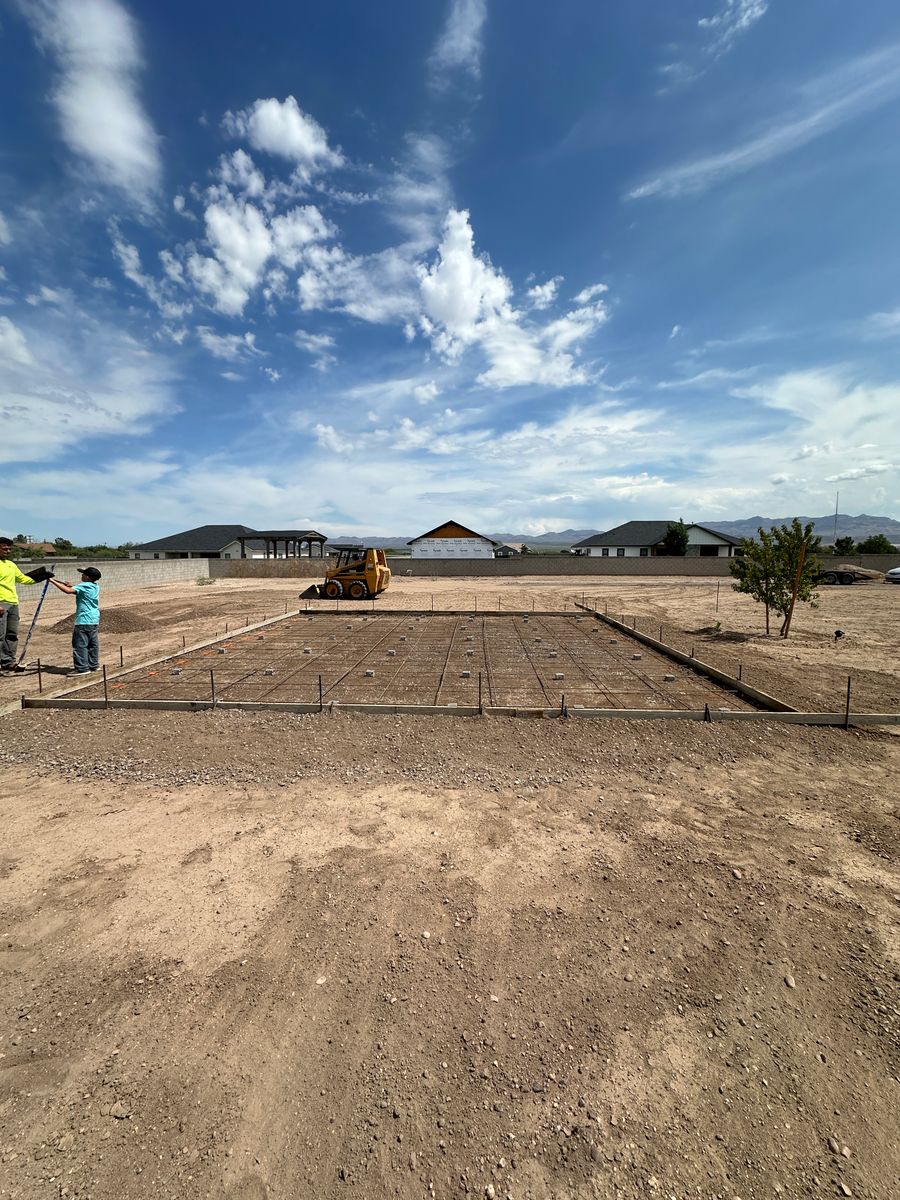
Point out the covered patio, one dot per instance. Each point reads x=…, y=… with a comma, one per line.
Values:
x=286, y=543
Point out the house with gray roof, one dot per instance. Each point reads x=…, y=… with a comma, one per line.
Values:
x=234, y=541
x=643, y=539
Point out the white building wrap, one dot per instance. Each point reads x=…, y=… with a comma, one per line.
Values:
x=451, y=548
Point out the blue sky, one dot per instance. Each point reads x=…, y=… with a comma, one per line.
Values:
x=364, y=267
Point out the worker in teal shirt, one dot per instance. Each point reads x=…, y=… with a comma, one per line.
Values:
x=10, y=575
x=86, y=631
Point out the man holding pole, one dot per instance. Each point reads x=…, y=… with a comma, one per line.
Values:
x=10, y=575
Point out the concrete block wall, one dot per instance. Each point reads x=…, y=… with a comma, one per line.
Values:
x=123, y=572
x=558, y=564
x=267, y=568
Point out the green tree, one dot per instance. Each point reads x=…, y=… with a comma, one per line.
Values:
x=756, y=572
x=675, y=541
x=845, y=545
x=21, y=538
x=63, y=544
x=779, y=569
x=876, y=544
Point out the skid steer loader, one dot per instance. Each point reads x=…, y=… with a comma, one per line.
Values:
x=358, y=574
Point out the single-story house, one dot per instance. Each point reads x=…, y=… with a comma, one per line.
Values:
x=508, y=550
x=234, y=541
x=643, y=539
x=452, y=540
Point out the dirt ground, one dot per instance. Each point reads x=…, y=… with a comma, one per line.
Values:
x=266, y=955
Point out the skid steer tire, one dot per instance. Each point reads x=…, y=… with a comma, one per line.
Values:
x=333, y=589
x=357, y=590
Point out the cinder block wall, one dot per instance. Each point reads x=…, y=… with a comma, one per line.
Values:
x=507, y=568
x=267, y=568
x=124, y=572
x=557, y=564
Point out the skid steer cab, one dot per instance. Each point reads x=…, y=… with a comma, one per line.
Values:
x=358, y=574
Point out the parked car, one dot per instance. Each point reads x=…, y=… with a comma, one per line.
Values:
x=892, y=576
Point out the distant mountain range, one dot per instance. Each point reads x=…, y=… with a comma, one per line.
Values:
x=858, y=528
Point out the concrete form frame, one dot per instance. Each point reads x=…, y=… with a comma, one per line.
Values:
x=770, y=708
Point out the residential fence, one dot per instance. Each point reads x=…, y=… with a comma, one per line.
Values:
x=134, y=573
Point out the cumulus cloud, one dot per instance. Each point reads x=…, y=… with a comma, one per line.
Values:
x=426, y=392
x=458, y=49
x=542, y=295
x=5, y=235
x=586, y=295
x=280, y=127
x=96, y=49
x=468, y=302
x=461, y=289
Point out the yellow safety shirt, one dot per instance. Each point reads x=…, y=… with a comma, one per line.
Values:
x=10, y=575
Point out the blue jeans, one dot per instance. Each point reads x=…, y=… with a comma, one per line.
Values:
x=86, y=647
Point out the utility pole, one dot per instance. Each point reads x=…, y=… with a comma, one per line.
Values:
x=836, y=502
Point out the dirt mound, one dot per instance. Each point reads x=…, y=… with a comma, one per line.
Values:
x=112, y=620
x=722, y=635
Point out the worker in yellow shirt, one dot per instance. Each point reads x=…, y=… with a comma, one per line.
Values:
x=10, y=575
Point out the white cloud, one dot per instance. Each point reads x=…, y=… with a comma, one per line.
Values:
x=329, y=439
x=271, y=374
x=238, y=171
x=95, y=45
x=418, y=194
x=883, y=324
x=231, y=376
x=319, y=345
x=297, y=229
x=866, y=472
x=13, y=346
x=48, y=295
x=426, y=392
x=733, y=19
x=130, y=261
x=210, y=277
x=542, y=295
x=710, y=378
x=586, y=295
x=826, y=103
x=458, y=49
x=467, y=302
x=75, y=380
x=676, y=329
x=282, y=128
x=231, y=346
x=5, y=235
x=379, y=288
x=461, y=289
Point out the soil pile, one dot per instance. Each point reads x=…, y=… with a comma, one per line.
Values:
x=112, y=620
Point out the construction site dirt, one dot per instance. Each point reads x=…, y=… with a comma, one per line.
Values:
x=251, y=954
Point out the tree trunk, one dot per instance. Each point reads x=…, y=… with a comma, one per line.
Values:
x=786, y=627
